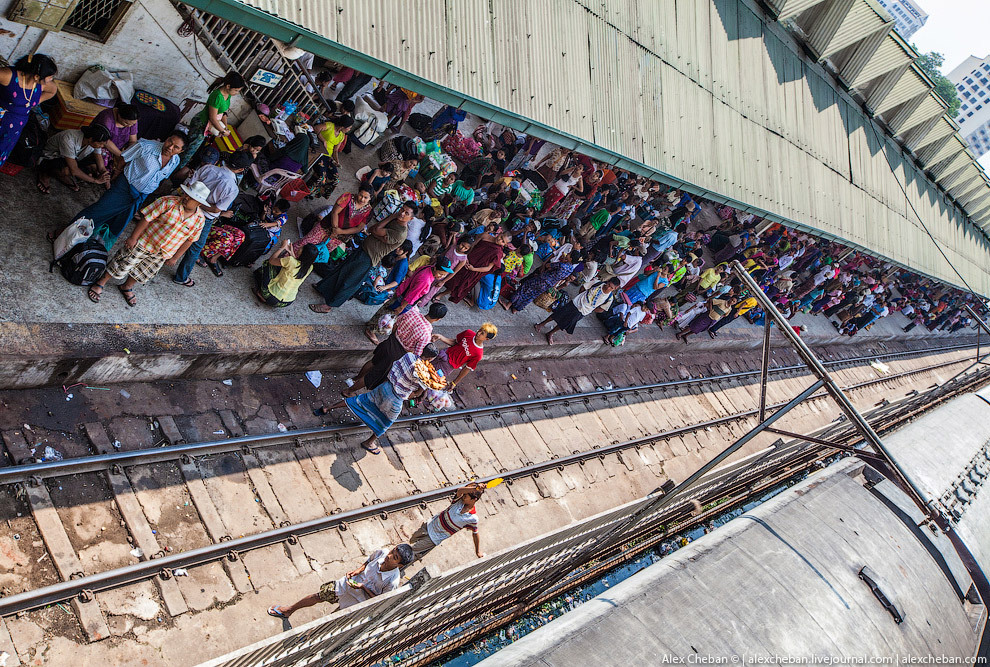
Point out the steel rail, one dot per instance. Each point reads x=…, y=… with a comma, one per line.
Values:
x=739, y=490
x=35, y=472
x=147, y=569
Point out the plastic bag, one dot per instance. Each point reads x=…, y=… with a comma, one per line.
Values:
x=77, y=232
x=438, y=400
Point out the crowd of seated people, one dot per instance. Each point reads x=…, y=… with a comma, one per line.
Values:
x=514, y=222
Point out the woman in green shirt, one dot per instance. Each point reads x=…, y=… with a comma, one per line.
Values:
x=213, y=117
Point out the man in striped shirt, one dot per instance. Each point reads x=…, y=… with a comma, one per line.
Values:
x=413, y=331
x=461, y=514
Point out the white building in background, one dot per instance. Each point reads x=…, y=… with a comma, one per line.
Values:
x=972, y=81
x=908, y=16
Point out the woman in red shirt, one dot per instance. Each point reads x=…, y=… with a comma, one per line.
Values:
x=465, y=351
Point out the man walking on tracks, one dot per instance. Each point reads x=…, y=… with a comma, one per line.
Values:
x=460, y=514
x=379, y=574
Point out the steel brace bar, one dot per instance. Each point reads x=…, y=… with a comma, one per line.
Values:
x=833, y=389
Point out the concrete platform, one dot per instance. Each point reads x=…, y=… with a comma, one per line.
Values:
x=51, y=334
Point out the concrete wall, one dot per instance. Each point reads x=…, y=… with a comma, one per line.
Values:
x=41, y=354
x=145, y=43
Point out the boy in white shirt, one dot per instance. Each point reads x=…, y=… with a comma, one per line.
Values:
x=379, y=574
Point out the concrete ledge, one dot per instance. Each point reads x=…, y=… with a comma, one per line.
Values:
x=46, y=354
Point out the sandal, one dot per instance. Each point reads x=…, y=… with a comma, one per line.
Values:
x=128, y=295
x=42, y=188
x=94, y=296
x=215, y=268
x=189, y=282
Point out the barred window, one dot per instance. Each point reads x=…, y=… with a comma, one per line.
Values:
x=97, y=19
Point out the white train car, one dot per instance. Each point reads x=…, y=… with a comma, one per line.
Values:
x=840, y=567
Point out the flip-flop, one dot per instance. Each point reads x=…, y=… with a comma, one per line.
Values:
x=215, y=268
x=93, y=295
x=316, y=306
x=189, y=282
x=276, y=612
x=376, y=450
x=42, y=188
x=319, y=412
x=128, y=295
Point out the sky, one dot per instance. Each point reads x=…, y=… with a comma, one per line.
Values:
x=957, y=29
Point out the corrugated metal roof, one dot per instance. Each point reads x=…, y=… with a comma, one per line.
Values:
x=891, y=54
x=704, y=92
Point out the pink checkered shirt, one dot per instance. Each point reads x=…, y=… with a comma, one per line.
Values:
x=413, y=330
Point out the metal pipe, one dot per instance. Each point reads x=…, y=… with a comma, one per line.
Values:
x=807, y=438
x=831, y=387
x=764, y=369
x=979, y=322
x=618, y=531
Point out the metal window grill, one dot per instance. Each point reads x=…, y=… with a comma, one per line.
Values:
x=97, y=17
x=246, y=51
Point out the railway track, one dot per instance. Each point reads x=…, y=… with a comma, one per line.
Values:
x=723, y=489
x=545, y=455
x=28, y=472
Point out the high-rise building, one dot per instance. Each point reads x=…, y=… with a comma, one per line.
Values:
x=908, y=16
x=972, y=81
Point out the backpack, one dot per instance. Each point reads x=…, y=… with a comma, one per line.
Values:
x=84, y=263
